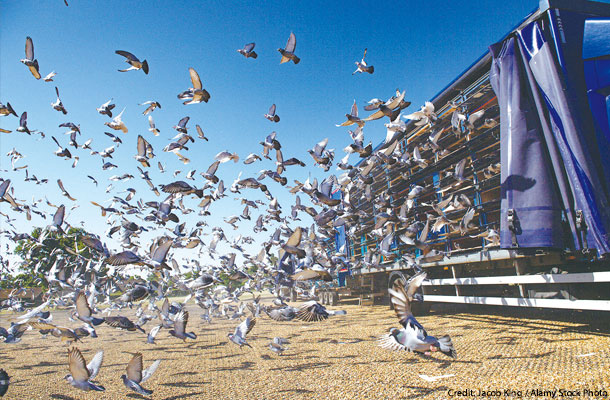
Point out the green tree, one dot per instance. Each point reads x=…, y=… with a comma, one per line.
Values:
x=39, y=253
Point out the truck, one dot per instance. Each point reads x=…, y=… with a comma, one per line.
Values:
x=508, y=180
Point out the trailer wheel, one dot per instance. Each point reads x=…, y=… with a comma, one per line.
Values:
x=334, y=298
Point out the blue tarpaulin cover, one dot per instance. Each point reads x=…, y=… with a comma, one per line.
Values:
x=553, y=142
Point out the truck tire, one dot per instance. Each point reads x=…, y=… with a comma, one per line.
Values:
x=334, y=298
x=293, y=295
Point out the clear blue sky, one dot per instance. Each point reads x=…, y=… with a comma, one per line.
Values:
x=417, y=47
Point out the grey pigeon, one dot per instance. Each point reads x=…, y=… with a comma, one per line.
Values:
x=413, y=336
x=132, y=60
x=135, y=375
x=81, y=374
x=288, y=52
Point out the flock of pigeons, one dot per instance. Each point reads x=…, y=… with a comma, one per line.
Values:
x=79, y=279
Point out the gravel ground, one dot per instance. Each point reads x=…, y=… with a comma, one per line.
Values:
x=335, y=359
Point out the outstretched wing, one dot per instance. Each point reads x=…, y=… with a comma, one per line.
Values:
x=291, y=44
x=82, y=306
x=142, y=146
x=195, y=79
x=148, y=372
x=134, y=368
x=29, y=48
x=127, y=55
x=94, y=366
x=78, y=367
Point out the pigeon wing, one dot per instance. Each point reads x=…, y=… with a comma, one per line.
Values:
x=161, y=251
x=295, y=238
x=127, y=55
x=142, y=146
x=134, y=368
x=29, y=48
x=291, y=44
x=148, y=372
x=77, y=365
x=195, y=79
x=94, y=365
x=82, y=306
x=58, y=218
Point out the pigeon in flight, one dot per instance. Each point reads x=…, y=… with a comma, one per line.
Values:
x=271, y=116
x=197, y=93
x=288, y=52
x=84, y=312
x=179, y=330
x=152, y=105
x=58, y=105
x=49, y=77
x=23, y=123
x=29, y=59
x=133, y=61
x=106, y=108
x=352, y=117
x=248, y=51
x=123, y=323
x=81, y=374
x=117, y=123
x=312, y=311
x=239, y=336
x=413, y=336
x=7, y=109
x=135, y=375
x=363, y=67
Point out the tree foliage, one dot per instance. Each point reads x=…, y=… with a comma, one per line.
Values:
x=39, y=252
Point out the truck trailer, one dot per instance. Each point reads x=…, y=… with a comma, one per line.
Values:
x=507, y=180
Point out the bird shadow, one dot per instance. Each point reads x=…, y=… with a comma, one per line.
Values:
x=183, y=396
x=184, y=384
x=534, y=356
x=422, y=391
x=45, y=373
x=297, y=391
x=136, y=396
x=243, y=365
x=185, y=373
x=301, y=367
x=62, y=397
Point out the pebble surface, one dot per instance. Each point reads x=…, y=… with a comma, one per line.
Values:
x=334, y=359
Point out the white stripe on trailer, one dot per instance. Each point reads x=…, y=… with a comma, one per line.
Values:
x=582, y=277
x=597, y=305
